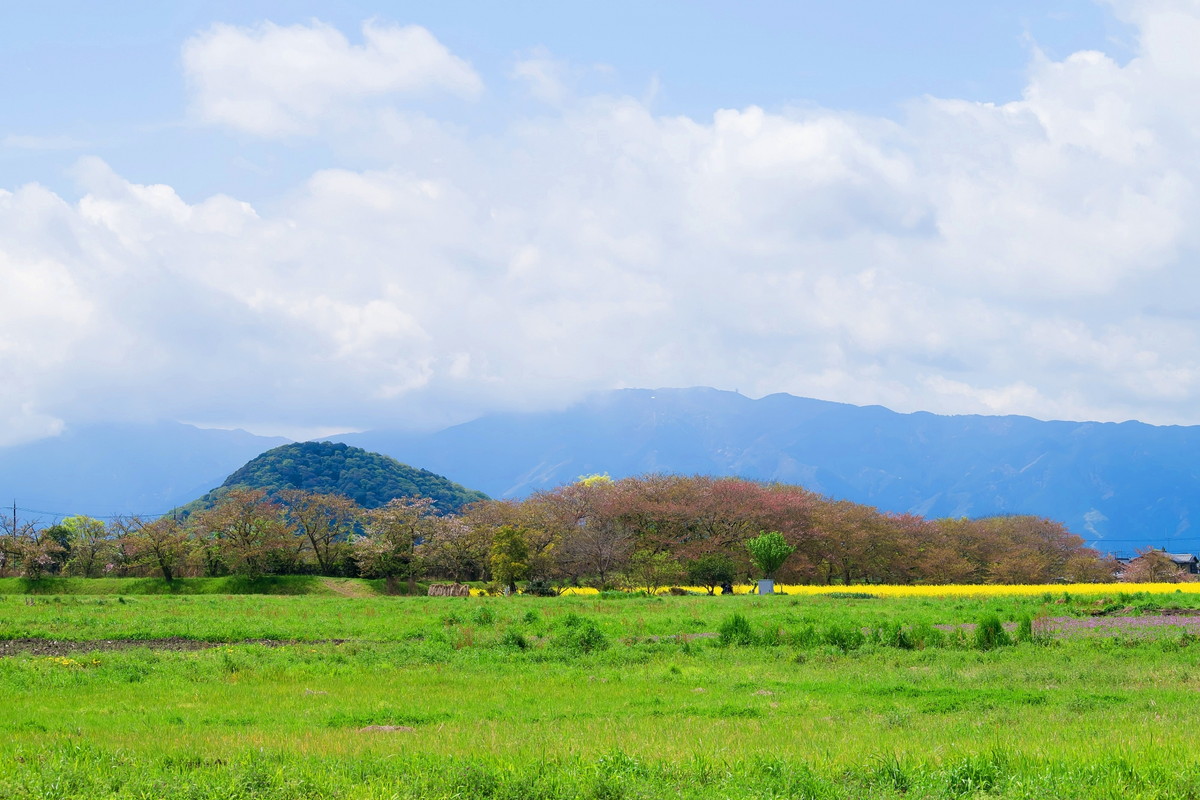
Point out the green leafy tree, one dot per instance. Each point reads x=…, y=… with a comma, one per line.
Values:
x=652, y=571
x=91, y=551
x=712, y=570
x=510, y=556
x=768, y=551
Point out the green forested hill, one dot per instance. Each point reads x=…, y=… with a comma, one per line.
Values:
x=368, y=478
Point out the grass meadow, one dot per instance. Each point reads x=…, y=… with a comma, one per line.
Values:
x=607, y=696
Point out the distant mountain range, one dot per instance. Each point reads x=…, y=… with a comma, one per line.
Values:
x=101, y=470
x=1120, y=486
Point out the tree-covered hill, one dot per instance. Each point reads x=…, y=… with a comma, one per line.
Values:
x=370, y=479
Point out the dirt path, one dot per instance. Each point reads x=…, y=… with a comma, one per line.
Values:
x=66, y=647
x=345, y=588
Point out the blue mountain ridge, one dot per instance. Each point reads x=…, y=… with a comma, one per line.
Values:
x=1119, y=485
x=126, y=468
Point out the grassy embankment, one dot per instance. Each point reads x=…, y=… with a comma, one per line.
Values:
x=361, y=587
x=595, y=697
x=233, y=584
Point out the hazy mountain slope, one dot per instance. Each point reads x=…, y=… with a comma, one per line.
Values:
x=1123, y=485
x=370, y=479
x=120, y=469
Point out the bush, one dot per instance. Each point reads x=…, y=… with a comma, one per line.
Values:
x=806, y=637
x=843, y=637
x=925, y=635
x=1025, y=628
x=736, y=631
x=539, y=587
x=514, y=640
x=893, y=634
x=990, y=633
x=582, y=637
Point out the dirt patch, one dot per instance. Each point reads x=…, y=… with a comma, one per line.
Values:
x=347, y=588
x=387, y=729
x=63, y=647
x=1074, y=626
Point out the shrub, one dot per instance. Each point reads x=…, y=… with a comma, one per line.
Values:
x=1025, y=628
x=990, y=633
x=736, y=631
x=772, y=637
x=539, y=587
x=514, y=640
x=893, y=634
x=843, y=637
x=925, y=635
x=806, y=637
x=582, y=637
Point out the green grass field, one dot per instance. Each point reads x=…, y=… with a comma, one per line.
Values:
x=590, y=697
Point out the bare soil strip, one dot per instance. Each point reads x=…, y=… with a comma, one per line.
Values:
x=64, y=647
x=344, y=588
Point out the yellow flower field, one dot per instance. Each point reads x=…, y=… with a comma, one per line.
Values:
x=957, y=590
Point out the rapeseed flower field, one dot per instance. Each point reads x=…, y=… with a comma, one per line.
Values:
x=950, y=590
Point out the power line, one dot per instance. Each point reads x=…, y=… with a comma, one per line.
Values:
x=1150, y=538
x=60, y=514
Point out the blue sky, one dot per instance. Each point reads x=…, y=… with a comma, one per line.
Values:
x=305, y=216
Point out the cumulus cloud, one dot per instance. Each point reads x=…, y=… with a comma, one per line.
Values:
x=273, y=80
x=1028, y=257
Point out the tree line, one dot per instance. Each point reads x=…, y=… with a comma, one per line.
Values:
x=647, y=532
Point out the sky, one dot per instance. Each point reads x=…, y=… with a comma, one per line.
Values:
x=308, y=217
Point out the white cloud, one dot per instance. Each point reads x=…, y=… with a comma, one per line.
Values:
x=1031, y=257
x=273, y=80
x=544, y=76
